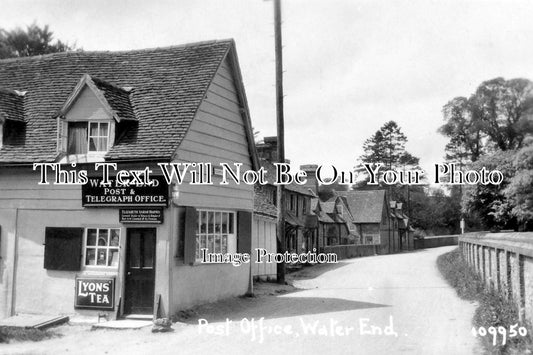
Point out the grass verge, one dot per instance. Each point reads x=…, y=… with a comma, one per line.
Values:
x=8, y=334
x=492, y=310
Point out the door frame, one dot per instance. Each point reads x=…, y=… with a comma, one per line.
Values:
x=125, y=268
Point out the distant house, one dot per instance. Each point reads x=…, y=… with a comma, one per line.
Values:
x=81, y=249
x=300, y=233
x=402, y=226
x=372, y=219
x=337, y=231
x=264, y=232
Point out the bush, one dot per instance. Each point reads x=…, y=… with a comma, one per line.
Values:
x=492, y=311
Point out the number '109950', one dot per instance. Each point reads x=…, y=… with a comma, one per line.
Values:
x=514, y=330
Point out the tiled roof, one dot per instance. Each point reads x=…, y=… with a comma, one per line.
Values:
x=262, y=205
x=118, y=99
x=293, y=220
x=317, y=208
x=328, y=206
x=169, y=85
x=366, y=206
x=11, y=105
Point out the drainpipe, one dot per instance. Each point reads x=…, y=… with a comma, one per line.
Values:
x=15, y=263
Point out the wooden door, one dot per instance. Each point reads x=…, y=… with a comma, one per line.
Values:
x=140, y=271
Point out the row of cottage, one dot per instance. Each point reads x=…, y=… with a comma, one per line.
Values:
x=74, y=241
x=349, y=224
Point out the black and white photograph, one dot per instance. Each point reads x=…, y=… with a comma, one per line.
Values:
x=264, y=176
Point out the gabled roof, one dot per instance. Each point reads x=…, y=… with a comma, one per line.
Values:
x=317, y=208
x=366, y=206
x=169, y=86
x=11, y=105
x=114, y=100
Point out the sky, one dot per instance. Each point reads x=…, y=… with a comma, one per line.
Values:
x=350, y=65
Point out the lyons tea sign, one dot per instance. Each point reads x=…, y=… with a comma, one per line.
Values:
x=96, y=293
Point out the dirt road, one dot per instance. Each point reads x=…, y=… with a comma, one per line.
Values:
x=393, y=304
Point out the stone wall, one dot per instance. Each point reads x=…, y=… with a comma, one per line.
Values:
x=434, y=242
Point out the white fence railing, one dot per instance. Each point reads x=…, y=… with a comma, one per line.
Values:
x=505, y=263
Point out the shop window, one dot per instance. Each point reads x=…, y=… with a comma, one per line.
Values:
x=84, y=137
x=218, y=231
x=101, y=247
x=63, y=248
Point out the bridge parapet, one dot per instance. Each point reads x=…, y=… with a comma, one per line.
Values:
x=504, y=261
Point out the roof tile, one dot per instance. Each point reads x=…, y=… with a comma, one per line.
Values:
x=169, y=83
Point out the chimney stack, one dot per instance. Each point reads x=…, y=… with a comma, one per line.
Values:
x=312, y=182
x=268, y=150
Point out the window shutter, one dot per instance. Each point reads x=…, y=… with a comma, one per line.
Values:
x=191, y=224
x=244, y=232
x=62, y=135
x=63, y=248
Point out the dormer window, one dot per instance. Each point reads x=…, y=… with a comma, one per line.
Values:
x=12, y=123
x=89, y=117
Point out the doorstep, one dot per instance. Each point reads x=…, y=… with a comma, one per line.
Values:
x=139, y=316
x=124, y=324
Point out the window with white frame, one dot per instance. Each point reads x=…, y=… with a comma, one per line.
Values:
x=101, y=247
x=87, y=137
x=98, y=136
x=216, y=232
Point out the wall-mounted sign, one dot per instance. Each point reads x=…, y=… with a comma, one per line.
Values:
x=95, y=293
x=95, y=194
x=141, y=215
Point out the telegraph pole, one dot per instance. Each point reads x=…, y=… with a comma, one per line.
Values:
x=281, y=134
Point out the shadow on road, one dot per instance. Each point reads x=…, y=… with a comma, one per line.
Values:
x=313, y=271
x=272, y=307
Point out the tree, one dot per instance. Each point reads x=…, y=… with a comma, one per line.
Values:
x=501, y=106
x=34, y=40
x=464, y=132
x=488, y=203
x=386, y=146
x=496, y=116
x=436, y=212
x=325, y=192
x=520, y=188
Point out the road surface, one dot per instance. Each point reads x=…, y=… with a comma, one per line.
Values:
x=390, y=304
